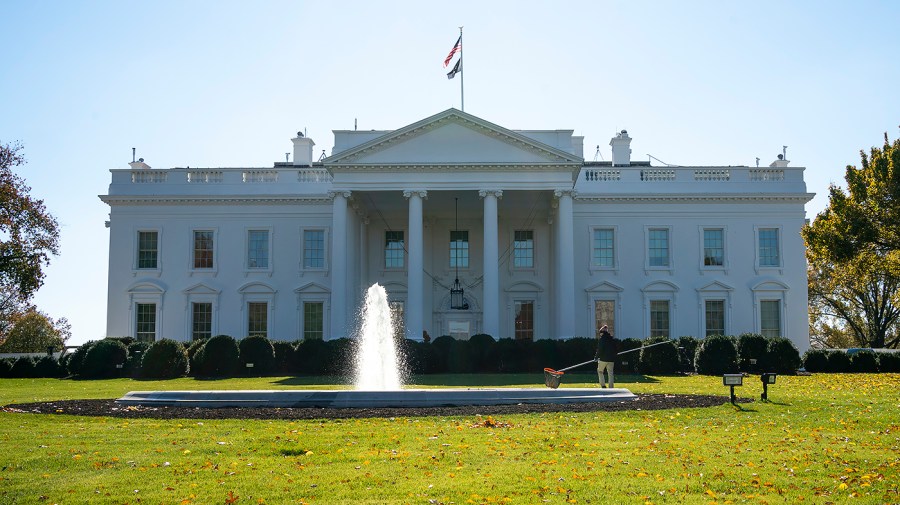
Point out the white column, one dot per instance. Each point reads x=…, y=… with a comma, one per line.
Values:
x=363, y=254
x=491, y=282
x=338, y=265
x=415, y=285
x=565, y=266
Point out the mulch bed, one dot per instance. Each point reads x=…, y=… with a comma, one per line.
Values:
x=109, y=408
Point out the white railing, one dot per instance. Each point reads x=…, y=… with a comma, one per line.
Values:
x=255, y=176
x=712, y=174
x=766, y=174
x=204, y=176
x=148, y=176
x=657, y=174
x=313, y=175
x=602, y=174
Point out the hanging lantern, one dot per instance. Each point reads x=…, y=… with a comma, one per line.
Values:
x=457, y=300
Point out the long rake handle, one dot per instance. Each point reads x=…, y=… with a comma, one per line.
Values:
x=578, y=365
x=642, y=347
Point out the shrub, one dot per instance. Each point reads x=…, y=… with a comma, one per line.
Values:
x=284, y=356
x=48, y=366
x=136, y=352
x=481, y=353
x=22, y=368
x=76, y=359
x=315, y=357
x=165, y=359
x=6, y=368
x=445, y=352
x=864, y=362
x=576, y=350
x=513, y=354
x=627, y=363
x=688, y=348
x=716, y=355
x=889, y=362
x=219, y=357
x=752, y=346
x=545, y=353
x=816, y=360
x=660, y=359
x=101, y=359
x=259, y=351
x=193, y=351
x=782, y=356
x=838, y=362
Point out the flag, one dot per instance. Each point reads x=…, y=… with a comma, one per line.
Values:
x=456, y=47
x=456, y=69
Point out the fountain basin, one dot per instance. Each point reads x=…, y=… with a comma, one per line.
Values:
x=449, y=397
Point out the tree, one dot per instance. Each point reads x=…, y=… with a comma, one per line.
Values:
x=35, y=332
x=853, y=251
x=29, y=235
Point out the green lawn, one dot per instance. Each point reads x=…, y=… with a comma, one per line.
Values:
x=823, y=438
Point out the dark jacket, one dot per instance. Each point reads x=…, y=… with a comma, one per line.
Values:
x=607, y=347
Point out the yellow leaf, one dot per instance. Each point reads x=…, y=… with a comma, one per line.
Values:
x=711, y=493
x=843, y=485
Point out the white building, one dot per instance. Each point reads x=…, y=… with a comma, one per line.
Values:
x=547, y=245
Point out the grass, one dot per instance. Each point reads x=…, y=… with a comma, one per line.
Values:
x=822, y=438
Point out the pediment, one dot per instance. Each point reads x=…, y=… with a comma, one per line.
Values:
x=716, y=286
x=660, y=287
x=201, y=289
x=147, y=286
x=605, y=287
x=525, y=287
x=256, y=287
x=451, y=137
x=312, y=288
x=771, y=285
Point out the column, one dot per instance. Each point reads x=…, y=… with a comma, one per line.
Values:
x=491, y=279
x=565, y=265
x=415, y=305
x=338, y=265
x=363, y=255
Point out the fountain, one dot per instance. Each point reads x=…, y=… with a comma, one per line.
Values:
x=378, y=380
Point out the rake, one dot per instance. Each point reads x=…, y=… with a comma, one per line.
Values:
x=552, y=377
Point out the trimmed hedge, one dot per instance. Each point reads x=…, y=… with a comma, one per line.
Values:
x=716, y=355
x=864, y=362
x=164, y=359
x=838, y=362
x=193, y=350
x=101, y=359
x=218, y=357
x=628, y=363
x=688, y=349
x=22, y=368
x=136, y=352
x=816, y=361
x=76, y=359
x=284, y=355
x=889, y=362
x=258, y=351
x=6, y=368
x=48, y=366
x=753, y=346
x=660, y=359
x=781, y=356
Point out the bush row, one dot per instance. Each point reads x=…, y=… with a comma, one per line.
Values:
x=224, y=356
x=838, y=361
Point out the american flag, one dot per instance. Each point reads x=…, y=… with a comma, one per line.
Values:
x=456, y=47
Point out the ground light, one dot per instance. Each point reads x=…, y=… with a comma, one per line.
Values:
x=733, y=379
x=767, y=378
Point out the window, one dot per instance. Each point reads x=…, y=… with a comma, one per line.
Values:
x=398, y=321
x=258, y=249
x=523, y=249
x=313, y=249
x=768, y=248
x=658, y=247
x=459, y=249
x=145, y=322
x=604, y=248
x=604, y=314
x=715, y=317
x=203, y=249
x=770, y=318
x=524, y=320
x=659, y=318
x=393, y=249
x=148, y=249
x=313, y=320
x=714, y=247
x=201, y=320
x=258, y=319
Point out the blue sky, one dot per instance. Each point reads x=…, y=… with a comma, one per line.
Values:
x=222, y=83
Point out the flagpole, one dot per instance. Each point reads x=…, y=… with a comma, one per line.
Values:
x=462, y=94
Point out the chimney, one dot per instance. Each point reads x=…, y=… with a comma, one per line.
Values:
x=780, y=162
x=303, y=150
x=621, y=149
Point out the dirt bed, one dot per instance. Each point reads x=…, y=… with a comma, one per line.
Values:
x=110, y=408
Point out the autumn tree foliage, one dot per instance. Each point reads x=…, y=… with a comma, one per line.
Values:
x=29, y=235
x=853, y=251
x=35, y=331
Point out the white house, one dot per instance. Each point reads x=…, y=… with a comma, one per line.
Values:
x=544, y=243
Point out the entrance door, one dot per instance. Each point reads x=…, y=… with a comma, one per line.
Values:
x=604, y=313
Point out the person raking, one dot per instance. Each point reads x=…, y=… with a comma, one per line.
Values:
x=607, y=347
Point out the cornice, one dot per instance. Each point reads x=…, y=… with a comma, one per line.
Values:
x=112, y=200
x=456, y=167
x=663, y=198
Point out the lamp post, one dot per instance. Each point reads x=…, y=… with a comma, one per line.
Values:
x=767, y=378
x=457, y=301
x=732, y=380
